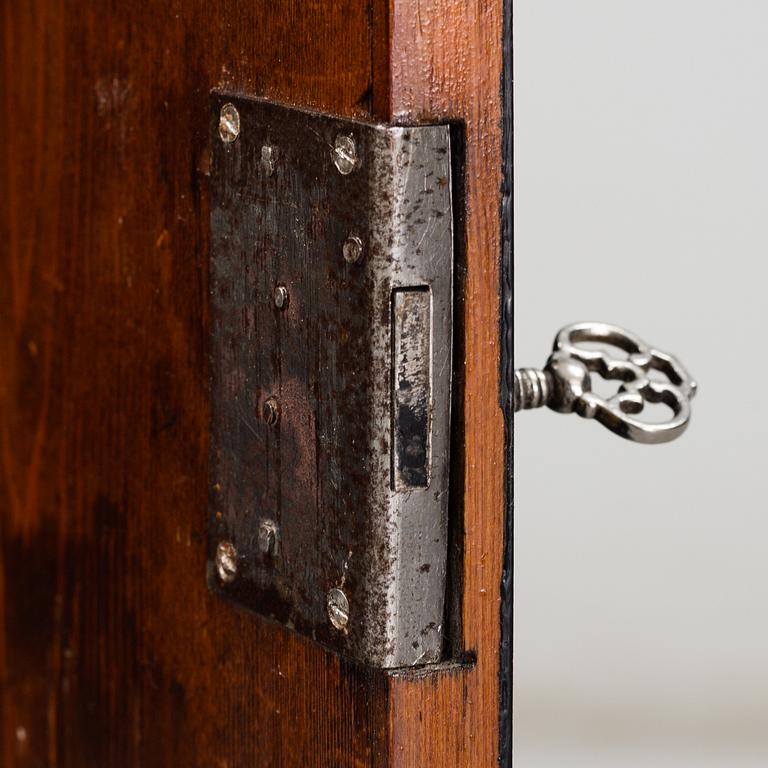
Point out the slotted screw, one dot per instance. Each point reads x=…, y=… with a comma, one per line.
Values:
x=338, y=608
x=271, y=411
x=281, y=297
x=345, y=154
x=268, y=537
x=268, y=159
x=229, y=123
x=352, y=249
x=226, y=561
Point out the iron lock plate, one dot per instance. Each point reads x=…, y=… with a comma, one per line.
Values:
x=331, y=315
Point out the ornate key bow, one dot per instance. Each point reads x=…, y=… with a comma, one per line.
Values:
x=565, y=383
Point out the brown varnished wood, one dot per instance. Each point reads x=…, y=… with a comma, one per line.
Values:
x=112, y=650
x=446, y=63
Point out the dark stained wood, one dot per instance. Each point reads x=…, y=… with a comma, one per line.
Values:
x=112, y=650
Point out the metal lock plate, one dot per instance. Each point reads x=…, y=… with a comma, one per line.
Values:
x=331, y=311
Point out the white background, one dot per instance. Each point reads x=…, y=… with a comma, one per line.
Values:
x=641, y=573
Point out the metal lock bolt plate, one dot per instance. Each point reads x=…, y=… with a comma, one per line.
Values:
x=355, y=223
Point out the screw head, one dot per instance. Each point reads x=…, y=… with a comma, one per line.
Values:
x=226, y=561
x=229, y=123
x=352, y=249
x=268, y=537
x=345, y=154
x=281, y=297
x=271, y=411
x=268, y=159
x=338, y=608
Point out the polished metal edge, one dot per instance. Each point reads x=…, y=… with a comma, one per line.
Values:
x=414, y=233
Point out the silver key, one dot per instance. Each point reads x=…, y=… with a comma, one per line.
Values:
x=565, y=383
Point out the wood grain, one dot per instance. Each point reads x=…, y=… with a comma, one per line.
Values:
x=447, y=64
x=112, y=650
x=114, y=653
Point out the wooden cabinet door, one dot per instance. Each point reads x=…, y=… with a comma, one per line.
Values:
x=113, y=652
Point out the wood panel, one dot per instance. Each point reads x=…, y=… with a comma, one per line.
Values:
x=446, y=63
x=112, y=651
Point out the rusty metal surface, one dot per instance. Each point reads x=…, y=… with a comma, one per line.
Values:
x=348, y=511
